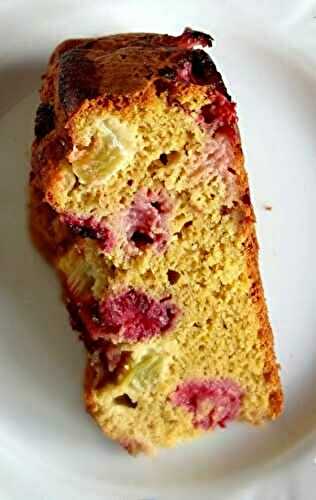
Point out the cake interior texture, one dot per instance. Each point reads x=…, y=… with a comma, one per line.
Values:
x=146, y=215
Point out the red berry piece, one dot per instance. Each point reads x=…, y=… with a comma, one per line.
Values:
x=211, y=402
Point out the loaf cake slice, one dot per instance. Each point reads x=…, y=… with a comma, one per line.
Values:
x=140, y=200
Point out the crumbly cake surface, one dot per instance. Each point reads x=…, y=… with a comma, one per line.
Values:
x=140, y=200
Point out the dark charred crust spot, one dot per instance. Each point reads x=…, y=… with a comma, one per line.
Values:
x=161, y=86
x=65, y=47
x=246, y=198
x=197, y=67
x=88, y=45
x=204, y=71
x=44, y=120
x=167, y=72
x=78, y=79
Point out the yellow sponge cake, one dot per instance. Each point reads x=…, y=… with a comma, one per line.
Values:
x=140, y=199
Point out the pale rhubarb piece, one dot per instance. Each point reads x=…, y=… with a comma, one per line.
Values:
x=140, y=200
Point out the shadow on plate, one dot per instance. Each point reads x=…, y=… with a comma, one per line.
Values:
x=18, y=79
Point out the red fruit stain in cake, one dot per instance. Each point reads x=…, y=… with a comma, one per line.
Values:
x=219, y=116
x=84, y=318
x=102, y=351
x=220, y=110
x=135, y=316
x=132, y=316
x=145, y=222
x=219, y=120
x=216, y=158
x=89, y=227
x=212, y=402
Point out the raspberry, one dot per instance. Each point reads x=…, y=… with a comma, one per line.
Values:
x=212, y=402
x=221, y=109
x=136, y=316
x=145, y=221
x=132, y=316
x=198, y=68
x=220, y=116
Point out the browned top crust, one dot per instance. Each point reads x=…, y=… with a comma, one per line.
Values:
x=120, y=65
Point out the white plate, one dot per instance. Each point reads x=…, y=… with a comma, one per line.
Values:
x=49, y=448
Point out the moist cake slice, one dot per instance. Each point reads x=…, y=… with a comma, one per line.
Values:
x=140, y=200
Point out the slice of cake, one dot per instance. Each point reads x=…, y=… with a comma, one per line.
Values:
x=140, y=199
